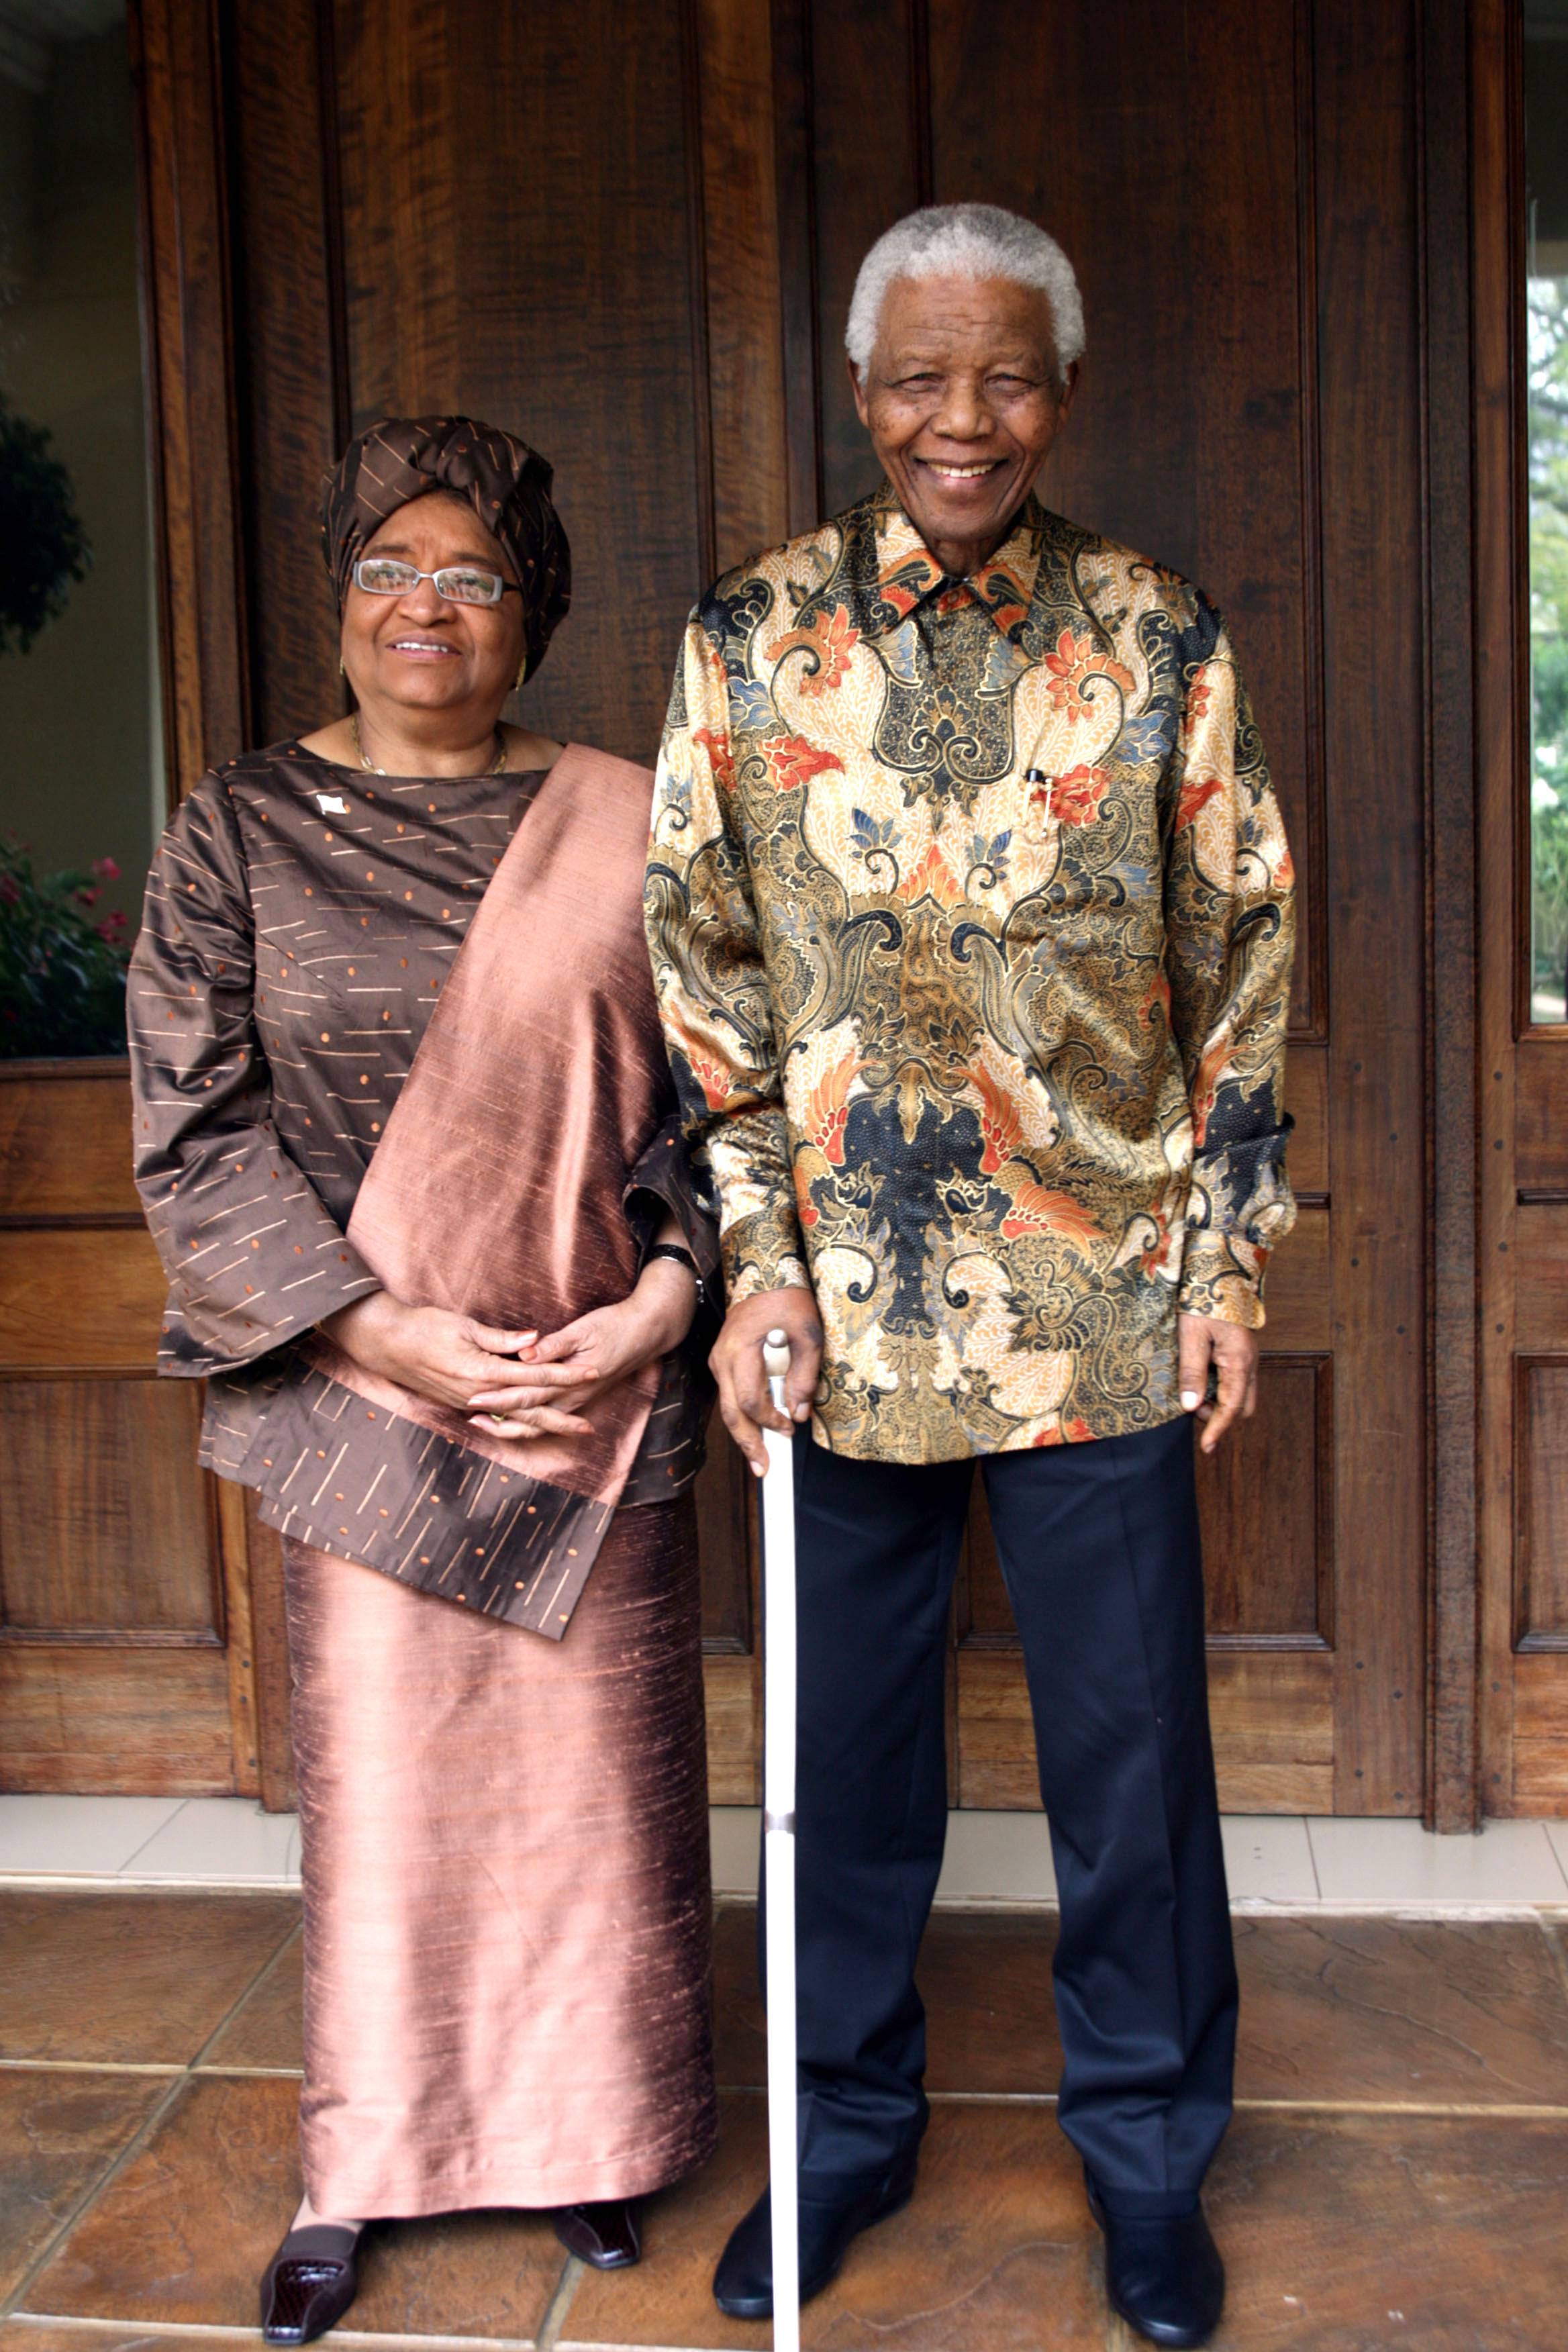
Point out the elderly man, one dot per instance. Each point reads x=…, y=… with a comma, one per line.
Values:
x=970, y=913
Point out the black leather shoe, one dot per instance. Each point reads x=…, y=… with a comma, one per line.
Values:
x=744, y=2282
x=308, y=2283
x=1165, y=2277
x=605, y=2236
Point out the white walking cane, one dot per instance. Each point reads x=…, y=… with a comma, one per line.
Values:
x=778, y=1847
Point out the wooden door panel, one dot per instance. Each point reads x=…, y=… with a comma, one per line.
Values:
x=115, y=1720
x=105, y=1520
x=1274, y=1730
x=1539, y=1777
x=65, y=1151
x=1266, y=1503
x=1541, y=1504
x=125, y=1660
x=80, y=1299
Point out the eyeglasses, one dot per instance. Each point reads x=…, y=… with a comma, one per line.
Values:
x=459, y=583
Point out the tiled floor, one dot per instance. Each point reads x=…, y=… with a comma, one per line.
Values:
x=1275, y=1862
x=1396, y=2174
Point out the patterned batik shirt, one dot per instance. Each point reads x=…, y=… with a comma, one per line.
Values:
x=971, y=914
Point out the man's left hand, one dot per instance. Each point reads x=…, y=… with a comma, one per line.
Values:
x=1232, y=1349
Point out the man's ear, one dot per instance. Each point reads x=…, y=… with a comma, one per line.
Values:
x=1070, y=385
x=862, y=409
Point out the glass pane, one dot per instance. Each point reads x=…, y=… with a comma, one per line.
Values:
x=1546, y=313
x=81, y=771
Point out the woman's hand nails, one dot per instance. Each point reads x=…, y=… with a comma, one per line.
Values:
x=1190, y=1400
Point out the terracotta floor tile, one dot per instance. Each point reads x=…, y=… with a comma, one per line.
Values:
x=58, y=2134
x=1332, y=2008
x=128, y=1978
x=985, y=1977
x=1359, y=2233
x=1472, y=2011
x=265, y=2031
x=996, y=2251
x=464, y=2274
x=185, y=2231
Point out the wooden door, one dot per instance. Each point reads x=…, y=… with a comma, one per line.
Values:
x=646, y=272
x=1522, y=1076
x=126, y=1655
x=1238, y=187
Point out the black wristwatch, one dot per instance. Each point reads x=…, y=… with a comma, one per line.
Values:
x=682, y=1257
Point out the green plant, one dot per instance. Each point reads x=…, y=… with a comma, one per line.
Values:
x=62, y=974
x=43, y=547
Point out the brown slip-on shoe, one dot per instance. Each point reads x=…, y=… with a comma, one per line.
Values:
x=308, y=2283
x=606, y=2237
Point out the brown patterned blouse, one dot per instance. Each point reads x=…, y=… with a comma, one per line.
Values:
x=300, y=921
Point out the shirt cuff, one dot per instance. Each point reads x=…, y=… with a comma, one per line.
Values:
x=763, y=1252
x=1222, y=1277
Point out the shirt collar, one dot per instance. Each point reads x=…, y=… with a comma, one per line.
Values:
x=896, y=572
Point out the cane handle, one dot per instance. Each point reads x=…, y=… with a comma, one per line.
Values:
x=775, y=1355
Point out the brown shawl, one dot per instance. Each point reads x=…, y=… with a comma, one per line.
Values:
x=497, y=1191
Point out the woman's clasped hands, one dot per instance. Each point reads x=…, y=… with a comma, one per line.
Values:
x=517, y=1383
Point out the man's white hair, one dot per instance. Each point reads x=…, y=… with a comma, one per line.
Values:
x=966, y=241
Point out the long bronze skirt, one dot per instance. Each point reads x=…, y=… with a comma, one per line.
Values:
x=507, y=1920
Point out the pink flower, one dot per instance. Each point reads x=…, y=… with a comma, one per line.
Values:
x=106, y=869
x=89, y=898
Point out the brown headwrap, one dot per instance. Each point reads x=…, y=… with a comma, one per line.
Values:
x=505, y=482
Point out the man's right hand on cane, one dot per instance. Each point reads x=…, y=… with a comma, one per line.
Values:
x=737, y=1365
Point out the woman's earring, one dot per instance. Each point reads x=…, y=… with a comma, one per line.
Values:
x=342, y=671
x=522, y=673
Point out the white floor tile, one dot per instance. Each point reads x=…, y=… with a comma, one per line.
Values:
x=734, y=1836
x=997, y=1858
x=1268, y=1859
x=1383, y=1864
x=77, y=1837
x=228, y=1841
x=1558, y=1834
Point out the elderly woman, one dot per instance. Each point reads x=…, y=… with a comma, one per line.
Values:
x=406, y=1144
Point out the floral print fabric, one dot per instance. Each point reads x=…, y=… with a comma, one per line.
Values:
x=971, y=911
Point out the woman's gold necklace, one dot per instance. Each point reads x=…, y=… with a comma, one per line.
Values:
x=366, y=761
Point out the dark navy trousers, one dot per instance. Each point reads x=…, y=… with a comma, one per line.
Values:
x=1099, y=1544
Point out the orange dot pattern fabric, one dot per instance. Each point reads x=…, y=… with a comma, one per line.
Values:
x=301, y=921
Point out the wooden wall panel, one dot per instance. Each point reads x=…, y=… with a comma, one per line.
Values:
x=105, y=1520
